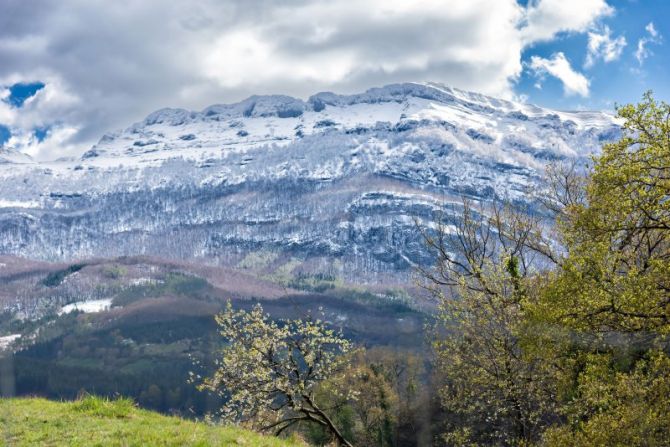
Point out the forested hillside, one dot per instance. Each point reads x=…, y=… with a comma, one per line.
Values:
x=543, y=328
x=545, y=335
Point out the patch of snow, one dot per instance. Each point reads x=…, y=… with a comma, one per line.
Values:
x=18, y=204
x=7, y=340
x=142, y=281
x=87, y=306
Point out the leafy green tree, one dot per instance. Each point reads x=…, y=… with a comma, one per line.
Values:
x=405, y=373
x=616, y=275
x=611, y=291
x=587, y=327
x=270, y=371
x=371, y=418
x=387, y=410
x=618, y=408
x=497, y=391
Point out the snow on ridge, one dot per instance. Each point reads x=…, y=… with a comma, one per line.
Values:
x=276, y=136
x=281, y=120
x=12, y=156
x=336, y=175
x=283, y=106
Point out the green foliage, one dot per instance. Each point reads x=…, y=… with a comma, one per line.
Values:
x=114, y=271
x=391, y=301
x=314, y=283
x=495, y=390
x=54, y=279
x=94, y=421
x=257, y=260
x=572, y=350
x=610, y=291
x=270, y=371
x=617, y=273
x=172, y=283
x=131, y=358
x=371, y=417
x=615, y=408
x=498, y=392
x=387, y=407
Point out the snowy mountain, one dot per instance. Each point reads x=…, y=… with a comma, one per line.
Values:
x=8, y=155
x=329, y=185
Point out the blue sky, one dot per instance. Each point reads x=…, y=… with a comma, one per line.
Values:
x=622, y=80
x=72, y=71
x=20, y=92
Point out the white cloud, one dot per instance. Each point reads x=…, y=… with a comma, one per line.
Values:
x=107, y=64
x=602, y=46
x=56, y=142
x=643, y=52
x=574, y=83
x=54, y=107
x=651, y=29
x=352, y=45
x=546, y=18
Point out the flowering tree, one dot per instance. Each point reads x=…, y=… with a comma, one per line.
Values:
x=274, y=368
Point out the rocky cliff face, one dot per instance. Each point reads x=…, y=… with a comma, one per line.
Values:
x=330, y=185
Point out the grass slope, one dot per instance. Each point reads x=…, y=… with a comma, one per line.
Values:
x=93, y=421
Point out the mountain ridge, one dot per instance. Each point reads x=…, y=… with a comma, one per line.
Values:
x=331, y=185
x=284, y=106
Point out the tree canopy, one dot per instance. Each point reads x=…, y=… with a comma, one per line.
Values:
x=557, y=332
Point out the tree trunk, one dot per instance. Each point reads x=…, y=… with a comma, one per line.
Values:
x=341, y=441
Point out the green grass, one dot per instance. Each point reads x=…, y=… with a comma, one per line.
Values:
x=94, y=421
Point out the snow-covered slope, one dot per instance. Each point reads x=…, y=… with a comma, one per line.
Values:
x=8, y=155
x=332, y=184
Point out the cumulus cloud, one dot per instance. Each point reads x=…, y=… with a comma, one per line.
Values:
x=45, y=123
x=653, y=37
x=574, y=83
x=546, y=18
x=603, y=46
x=107, y=64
